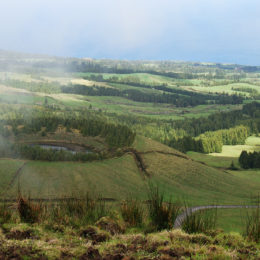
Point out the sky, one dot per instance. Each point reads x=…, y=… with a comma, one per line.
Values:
x=226, y=31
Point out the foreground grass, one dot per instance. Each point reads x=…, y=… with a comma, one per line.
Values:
x=88, y=229
x=23, y=241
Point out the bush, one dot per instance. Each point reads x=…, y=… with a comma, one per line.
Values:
x=162, y=214
x=28, y=212
x=132, y=212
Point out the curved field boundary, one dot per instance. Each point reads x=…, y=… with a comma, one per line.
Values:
x=139, y=161
x=167, y=153
x=11, y=183
x=181, y=218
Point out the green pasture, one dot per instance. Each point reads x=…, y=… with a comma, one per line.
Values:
x=226, y=88
x=117, y=178
x=214, y=161
x=233, y=220
x=121, y=105
x=8, y=168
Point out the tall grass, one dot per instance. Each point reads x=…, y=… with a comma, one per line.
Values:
x=29, y=212
x=5, y=213
x=253, y=223
x=199, y=221
x=132, y=212
x=162, y=214
x=76, y=211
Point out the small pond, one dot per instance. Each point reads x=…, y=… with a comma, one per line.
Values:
x=59, y=148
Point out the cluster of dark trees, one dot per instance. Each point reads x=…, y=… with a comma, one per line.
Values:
x=185, y=144
x=216, y=130
x=248, y=116
x=115, y=135
x=249, y=160
x=179, y=98
x=195, y=98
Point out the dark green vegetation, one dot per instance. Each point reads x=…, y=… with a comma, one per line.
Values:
x=249, y=160
x=137, y=119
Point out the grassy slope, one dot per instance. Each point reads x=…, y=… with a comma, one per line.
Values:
x=7, y=170
x=110, y=178
x=233, y=219
x=118, y=177
x=214, y=161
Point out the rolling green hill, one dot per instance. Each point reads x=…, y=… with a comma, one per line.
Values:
x=175, y=173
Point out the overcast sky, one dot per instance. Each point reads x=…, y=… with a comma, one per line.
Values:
x=192, y=30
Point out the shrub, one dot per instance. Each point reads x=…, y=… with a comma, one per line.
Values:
x=28, y=212
x=5, y=213
x=162, y=214
x=132, y=212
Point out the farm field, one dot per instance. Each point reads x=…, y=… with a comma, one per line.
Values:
x=117, y=105
x=214, y=161
x=230, y=88
x=252, y=144
x=229, y=154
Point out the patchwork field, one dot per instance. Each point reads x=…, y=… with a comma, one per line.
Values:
x=230, y=88
x=252, y=144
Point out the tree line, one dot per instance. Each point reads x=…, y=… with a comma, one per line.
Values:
x=249, y=116
x=178, y=98
x=249, y=160
x=197, y=98
x=211, y=141
x=114, y=135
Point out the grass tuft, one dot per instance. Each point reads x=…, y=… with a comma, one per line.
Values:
x=200, y=222
x=162, y=214
x=132, y=212
x=28, y=212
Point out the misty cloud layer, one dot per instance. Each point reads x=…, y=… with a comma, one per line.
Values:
x=201, y=30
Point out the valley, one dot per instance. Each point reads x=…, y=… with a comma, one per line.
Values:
x=110, y=133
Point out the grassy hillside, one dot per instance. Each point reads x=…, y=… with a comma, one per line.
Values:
x=8, y=168
x=175, y=173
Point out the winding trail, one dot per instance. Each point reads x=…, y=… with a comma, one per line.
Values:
x=15, y=176
x=189, y=211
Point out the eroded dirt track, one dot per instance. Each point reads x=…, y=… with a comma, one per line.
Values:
x=11, y=183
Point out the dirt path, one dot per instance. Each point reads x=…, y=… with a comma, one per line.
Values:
x=11, y=183
x=179, y=220
x=139, y=161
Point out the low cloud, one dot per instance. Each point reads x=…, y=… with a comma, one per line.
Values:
x=165, y=29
